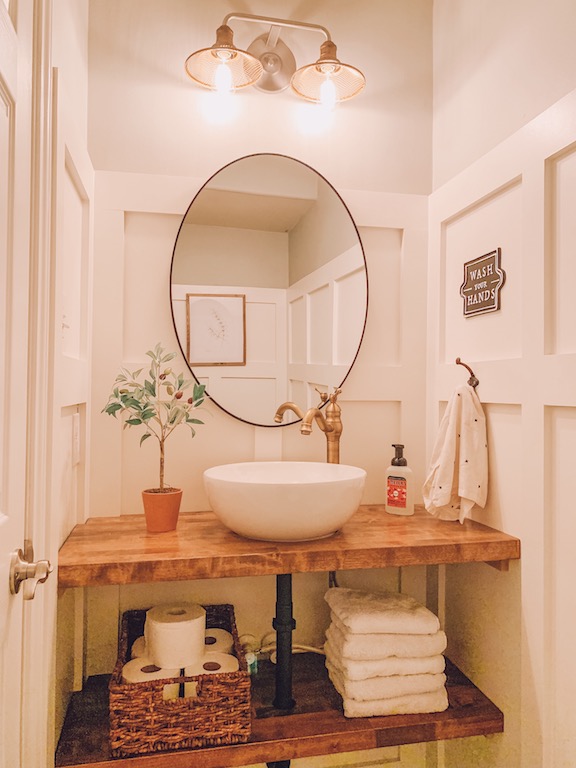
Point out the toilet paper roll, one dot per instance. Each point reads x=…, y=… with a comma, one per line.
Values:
x=175, y=634
x=218, y=640
x=143, y=670
x=213, y=663
x=138, y=648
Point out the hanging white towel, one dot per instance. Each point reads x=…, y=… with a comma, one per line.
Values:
x=458, y=475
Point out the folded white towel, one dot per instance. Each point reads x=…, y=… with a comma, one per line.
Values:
x=413, y=704
x=386, y=687
x=387, y=612
x=366, y=647
x=392, y=665
x=458, y=474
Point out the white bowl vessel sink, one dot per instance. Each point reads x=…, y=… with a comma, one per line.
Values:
x=284, y=500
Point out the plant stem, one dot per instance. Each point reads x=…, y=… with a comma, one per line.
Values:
x=158, y=418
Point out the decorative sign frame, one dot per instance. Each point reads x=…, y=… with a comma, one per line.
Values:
x=216, y=328
x=483, y=280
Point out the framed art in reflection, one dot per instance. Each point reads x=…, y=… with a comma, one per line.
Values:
x=216, y=328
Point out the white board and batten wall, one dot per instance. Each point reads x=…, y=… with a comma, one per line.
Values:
x=511, y=632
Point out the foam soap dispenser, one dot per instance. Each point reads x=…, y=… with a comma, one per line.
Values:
x=399, y=485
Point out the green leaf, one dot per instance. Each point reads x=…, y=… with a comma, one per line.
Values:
x=145, y=436
x=130, y=402
x=112, y=408
x=134, y=421
x=199, y=390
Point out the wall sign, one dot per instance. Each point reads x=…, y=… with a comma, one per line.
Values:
x=483, y=279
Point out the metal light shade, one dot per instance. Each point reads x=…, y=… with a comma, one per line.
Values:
x=204, y=66
x=347, y=81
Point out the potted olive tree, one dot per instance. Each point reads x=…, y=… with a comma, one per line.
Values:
x=158, y=403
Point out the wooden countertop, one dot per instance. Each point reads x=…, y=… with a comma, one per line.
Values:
x=119, y=550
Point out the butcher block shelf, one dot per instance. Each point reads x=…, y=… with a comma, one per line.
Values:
x=316, y=726
x=118, y=550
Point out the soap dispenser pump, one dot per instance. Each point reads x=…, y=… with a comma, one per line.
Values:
x=399, y=484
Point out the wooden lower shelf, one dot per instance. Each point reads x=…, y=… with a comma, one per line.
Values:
x=316, y=726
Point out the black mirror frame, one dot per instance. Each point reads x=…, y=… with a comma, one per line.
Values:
x=345, y=207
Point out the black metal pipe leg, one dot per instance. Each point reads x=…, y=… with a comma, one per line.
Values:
x=284, y=625
x=279, y=764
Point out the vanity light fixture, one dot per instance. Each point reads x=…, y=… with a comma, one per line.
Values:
x=270, y=66
x=327, y=80
x=223, y=67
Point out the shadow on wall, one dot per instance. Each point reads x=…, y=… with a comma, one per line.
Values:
x=487, y=640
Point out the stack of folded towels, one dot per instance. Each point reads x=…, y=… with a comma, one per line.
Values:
x=384, y=654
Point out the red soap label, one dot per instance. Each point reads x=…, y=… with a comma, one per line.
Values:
x=396, y=492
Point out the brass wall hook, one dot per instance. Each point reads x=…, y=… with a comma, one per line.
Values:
x=472, y=381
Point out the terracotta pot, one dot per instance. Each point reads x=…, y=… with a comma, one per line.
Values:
x=161, y=508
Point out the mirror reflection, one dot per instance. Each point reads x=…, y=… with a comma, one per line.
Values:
x=269, y=287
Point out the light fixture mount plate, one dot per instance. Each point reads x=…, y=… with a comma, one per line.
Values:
x=277, y=61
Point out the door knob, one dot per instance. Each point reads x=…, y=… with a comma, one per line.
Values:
x=23, y=570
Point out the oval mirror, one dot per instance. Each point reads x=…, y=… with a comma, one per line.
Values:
x=269, y=288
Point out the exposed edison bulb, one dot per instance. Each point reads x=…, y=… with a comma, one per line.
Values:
x=223, y=78
x=328, y=93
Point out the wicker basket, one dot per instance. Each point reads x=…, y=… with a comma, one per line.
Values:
x=141, y=721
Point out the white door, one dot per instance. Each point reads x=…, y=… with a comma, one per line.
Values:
x=20, y=233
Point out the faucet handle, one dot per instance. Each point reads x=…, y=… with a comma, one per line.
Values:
x=324, y=396
x=334, y=395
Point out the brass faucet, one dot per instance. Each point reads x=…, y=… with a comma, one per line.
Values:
x=287, y=407
x=330, y=424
